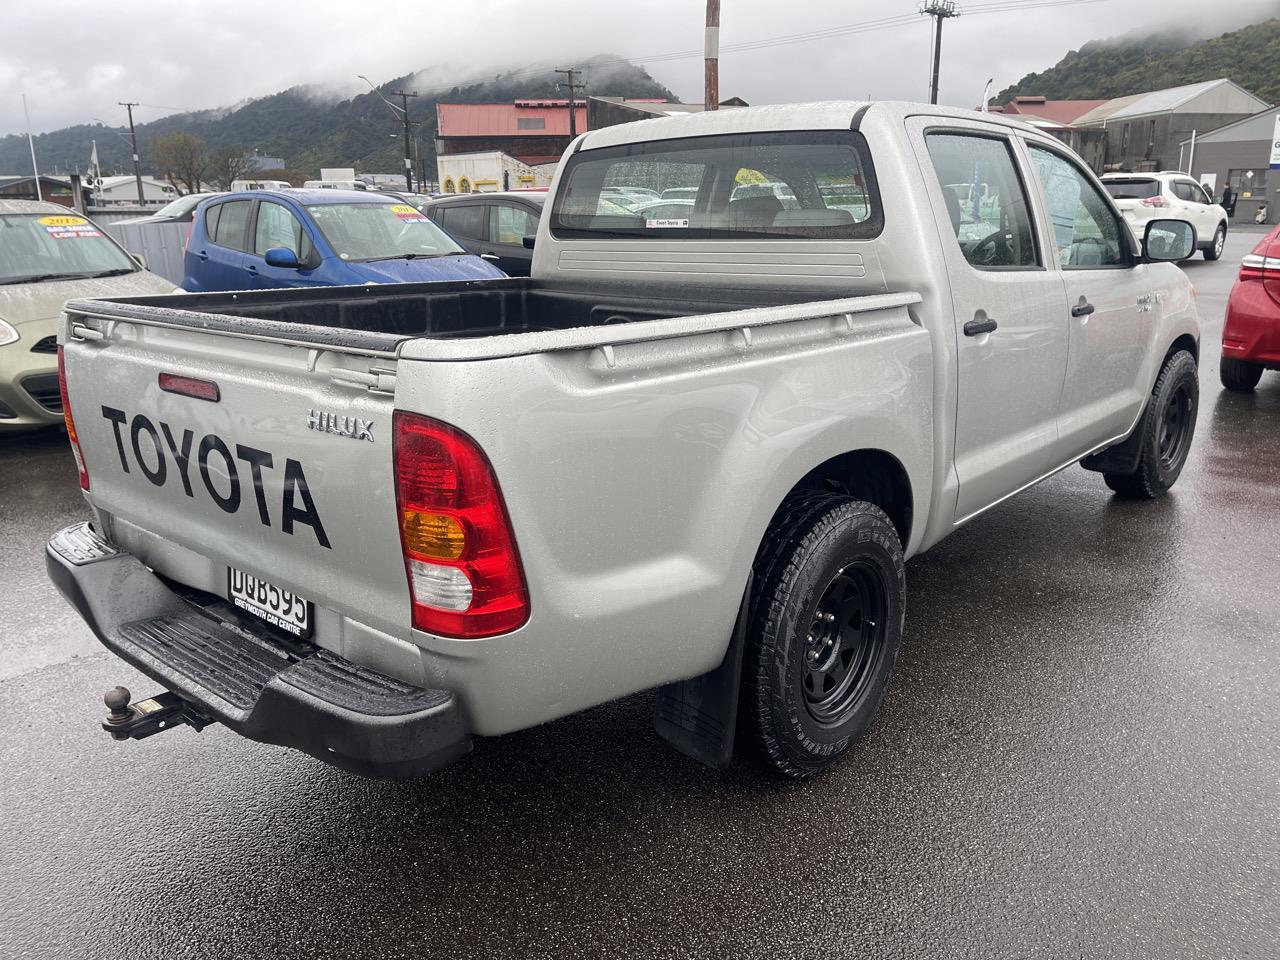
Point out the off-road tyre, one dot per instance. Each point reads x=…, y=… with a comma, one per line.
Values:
x=833, y=561
x=1239, y=374
x=1214, y=250
x=1168, y=426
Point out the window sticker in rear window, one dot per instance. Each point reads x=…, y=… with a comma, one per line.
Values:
x=69, y=228
x=666, y=224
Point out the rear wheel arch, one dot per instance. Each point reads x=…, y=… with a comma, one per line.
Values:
x=871, y=475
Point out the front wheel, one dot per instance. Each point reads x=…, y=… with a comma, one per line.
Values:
x=1167, y=425
x=1239, y=374
x=1214, y=250
x=826, y=621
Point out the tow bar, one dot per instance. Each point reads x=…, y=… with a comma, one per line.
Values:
x=135, y=721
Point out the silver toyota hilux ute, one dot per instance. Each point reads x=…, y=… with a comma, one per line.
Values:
x=691, y=452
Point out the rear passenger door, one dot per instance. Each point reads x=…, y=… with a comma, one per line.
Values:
x=466, y=223
x=1108, y=308
x=1010, y=332
x=222, y=260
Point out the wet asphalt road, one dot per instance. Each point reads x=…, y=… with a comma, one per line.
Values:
x=1079, y=757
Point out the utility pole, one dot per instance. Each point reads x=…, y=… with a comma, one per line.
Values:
x=133, y=138
x=940, y=10
x=711, y=54
x=573, y=88
x=408, y=151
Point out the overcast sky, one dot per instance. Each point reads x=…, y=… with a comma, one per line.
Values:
x=75, y=59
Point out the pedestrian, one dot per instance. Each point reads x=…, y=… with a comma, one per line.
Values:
x=1261, y=215
x=1228, y=200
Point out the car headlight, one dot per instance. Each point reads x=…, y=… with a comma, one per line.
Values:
x=8, y=333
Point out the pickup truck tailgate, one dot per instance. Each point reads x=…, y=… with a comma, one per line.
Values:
x=277, y=461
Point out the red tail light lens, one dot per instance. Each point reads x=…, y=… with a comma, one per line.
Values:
x=71, y=424
x=1263, y=264
x=1156, y=201
x=464, y=572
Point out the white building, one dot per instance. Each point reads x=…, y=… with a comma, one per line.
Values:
x=123, y=192
x=489, y=171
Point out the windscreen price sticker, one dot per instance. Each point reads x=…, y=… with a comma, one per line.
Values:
x=405, y=212
x=68, y=228
x=667, y=224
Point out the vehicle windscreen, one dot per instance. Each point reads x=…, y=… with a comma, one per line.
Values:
x=180, y=207
x=40, y=246
x=1139, y=188
x=793, y=184
x=360, y=232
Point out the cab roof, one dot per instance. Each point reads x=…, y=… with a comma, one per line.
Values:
x=819, y=115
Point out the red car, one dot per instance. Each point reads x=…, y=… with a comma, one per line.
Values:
x=1251, y=334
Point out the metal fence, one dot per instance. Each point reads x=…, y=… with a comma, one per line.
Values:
x=160, y=245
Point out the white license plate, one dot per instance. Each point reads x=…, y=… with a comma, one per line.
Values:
x=270, y=603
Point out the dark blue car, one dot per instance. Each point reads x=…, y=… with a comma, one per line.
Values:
x=302, y=238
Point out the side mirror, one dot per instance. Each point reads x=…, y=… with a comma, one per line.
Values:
x=528, y=241
x=1168, y=240
x=282, y=257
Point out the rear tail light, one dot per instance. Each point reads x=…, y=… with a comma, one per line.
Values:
x=67, y=419
x=465, y=578
x=1263, y=264
x=1156, y=201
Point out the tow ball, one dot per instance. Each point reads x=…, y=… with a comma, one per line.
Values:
x=136, y=721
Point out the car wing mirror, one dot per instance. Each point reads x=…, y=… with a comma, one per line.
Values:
x=282, y=257
x=528, y=241
x=1168, y=240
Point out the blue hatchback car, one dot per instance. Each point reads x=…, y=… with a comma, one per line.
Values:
x=303, y=238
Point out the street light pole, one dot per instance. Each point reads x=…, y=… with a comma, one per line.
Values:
x=711, y=55
x=133, y=139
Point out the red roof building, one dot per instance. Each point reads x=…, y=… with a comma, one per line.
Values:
x=1061, y=112
x=535, y=131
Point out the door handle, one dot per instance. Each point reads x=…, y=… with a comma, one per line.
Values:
x=252, y=268
x=1082, y=309
x=976, y=328
x=491, y=257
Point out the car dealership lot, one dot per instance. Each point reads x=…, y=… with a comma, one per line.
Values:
x=1079, y=756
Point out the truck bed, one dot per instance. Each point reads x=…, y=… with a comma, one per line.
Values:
x=377, y=319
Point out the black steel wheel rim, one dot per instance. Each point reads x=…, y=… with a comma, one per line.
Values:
x=845, y=643
x=1175, y=426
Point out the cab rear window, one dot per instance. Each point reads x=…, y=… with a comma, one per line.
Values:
x=794, y=184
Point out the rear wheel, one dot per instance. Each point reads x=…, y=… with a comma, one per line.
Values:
x=826, y=621
x=1239, y=374
x=1168, y=425
x=1214, y=250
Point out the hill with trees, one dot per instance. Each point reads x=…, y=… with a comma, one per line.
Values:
x=1121, y=66
x=308, y=127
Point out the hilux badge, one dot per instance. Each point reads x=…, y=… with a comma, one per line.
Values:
x=343, y=426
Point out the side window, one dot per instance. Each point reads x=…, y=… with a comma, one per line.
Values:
x=1184, y=191
x=1085, y=231
x=231, y=224
x=464, y=220
x=985, y=200
x=278, y=227
x=511, y=224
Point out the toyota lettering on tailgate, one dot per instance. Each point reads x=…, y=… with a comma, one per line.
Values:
x=296, y=505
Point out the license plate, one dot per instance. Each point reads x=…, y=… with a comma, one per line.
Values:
x=280, y=608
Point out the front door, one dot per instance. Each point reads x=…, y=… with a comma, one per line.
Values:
x=1109, y=305
x=509, y=223
x=1011, y=336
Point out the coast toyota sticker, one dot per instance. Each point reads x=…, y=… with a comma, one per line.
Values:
x=666, y=224
x=66, y=228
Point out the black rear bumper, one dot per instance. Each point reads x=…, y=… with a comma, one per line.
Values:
x=263, y=686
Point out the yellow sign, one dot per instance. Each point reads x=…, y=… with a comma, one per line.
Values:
x=64, y=222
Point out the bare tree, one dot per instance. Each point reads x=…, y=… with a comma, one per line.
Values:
x=227, y=165
x=182, y=159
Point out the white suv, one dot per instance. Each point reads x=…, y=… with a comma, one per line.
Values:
x=1169, y=193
